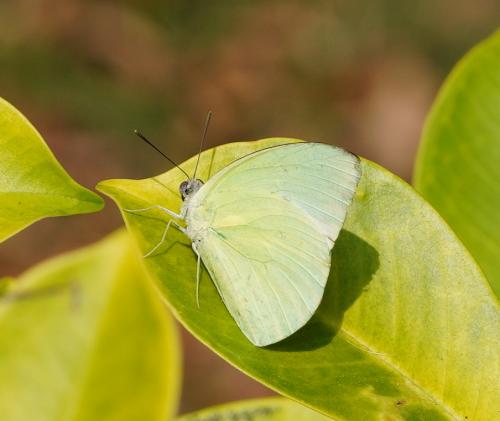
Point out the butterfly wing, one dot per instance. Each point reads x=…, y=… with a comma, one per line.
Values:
x=267, y=223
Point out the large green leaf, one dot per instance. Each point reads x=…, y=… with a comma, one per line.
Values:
x=458, y=166
x=85, y=337
x=268, y=409
x=408, y=327
x=33, y=185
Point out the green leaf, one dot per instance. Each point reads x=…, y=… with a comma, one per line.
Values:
x=268, y=409
x=408, y=327
x=458, y=169
x=85, y=337
x=6, y=282
x=33, y=185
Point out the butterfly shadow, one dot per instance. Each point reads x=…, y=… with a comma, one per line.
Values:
x=354, y=262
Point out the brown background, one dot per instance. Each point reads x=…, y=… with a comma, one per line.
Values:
x=360, y=74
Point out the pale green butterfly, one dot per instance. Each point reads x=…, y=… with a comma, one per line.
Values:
x=264, y=227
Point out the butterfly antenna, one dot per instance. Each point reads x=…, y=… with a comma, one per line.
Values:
x=143, y=138
x=207, y=122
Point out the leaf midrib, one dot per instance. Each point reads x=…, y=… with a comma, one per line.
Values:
x=381, y=357
x=66, y=196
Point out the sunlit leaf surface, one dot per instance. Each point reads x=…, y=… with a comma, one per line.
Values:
x=269, y=409
x=408, y=327
x=33, y=185
x=458, y=166
x=85, y=337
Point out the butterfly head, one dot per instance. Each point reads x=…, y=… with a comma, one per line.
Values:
x=190, y=187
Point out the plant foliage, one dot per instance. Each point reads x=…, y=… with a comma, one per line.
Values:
x=85, y=337
x=457, y=168
x=269, y=409
x=33, y=185
x=408, y=327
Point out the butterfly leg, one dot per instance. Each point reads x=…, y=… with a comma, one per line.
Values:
x=164, y=236
x=197, y=276
x=163, y=209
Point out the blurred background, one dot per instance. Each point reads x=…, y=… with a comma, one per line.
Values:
x=360, y=74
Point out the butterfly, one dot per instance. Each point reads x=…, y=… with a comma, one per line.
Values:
x=264, y=227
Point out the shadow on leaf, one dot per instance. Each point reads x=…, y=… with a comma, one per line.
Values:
x=354, y=262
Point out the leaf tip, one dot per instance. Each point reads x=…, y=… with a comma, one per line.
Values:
x=106, y=187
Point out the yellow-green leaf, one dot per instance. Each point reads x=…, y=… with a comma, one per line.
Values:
x=458, y=165
x=85, y=337
x=33, y=185
x=268, y=409
x=408, y=327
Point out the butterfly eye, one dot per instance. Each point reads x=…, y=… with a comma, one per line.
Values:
x=184, y=189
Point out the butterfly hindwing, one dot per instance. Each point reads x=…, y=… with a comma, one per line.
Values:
x=272, y=218
x=271, y=277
